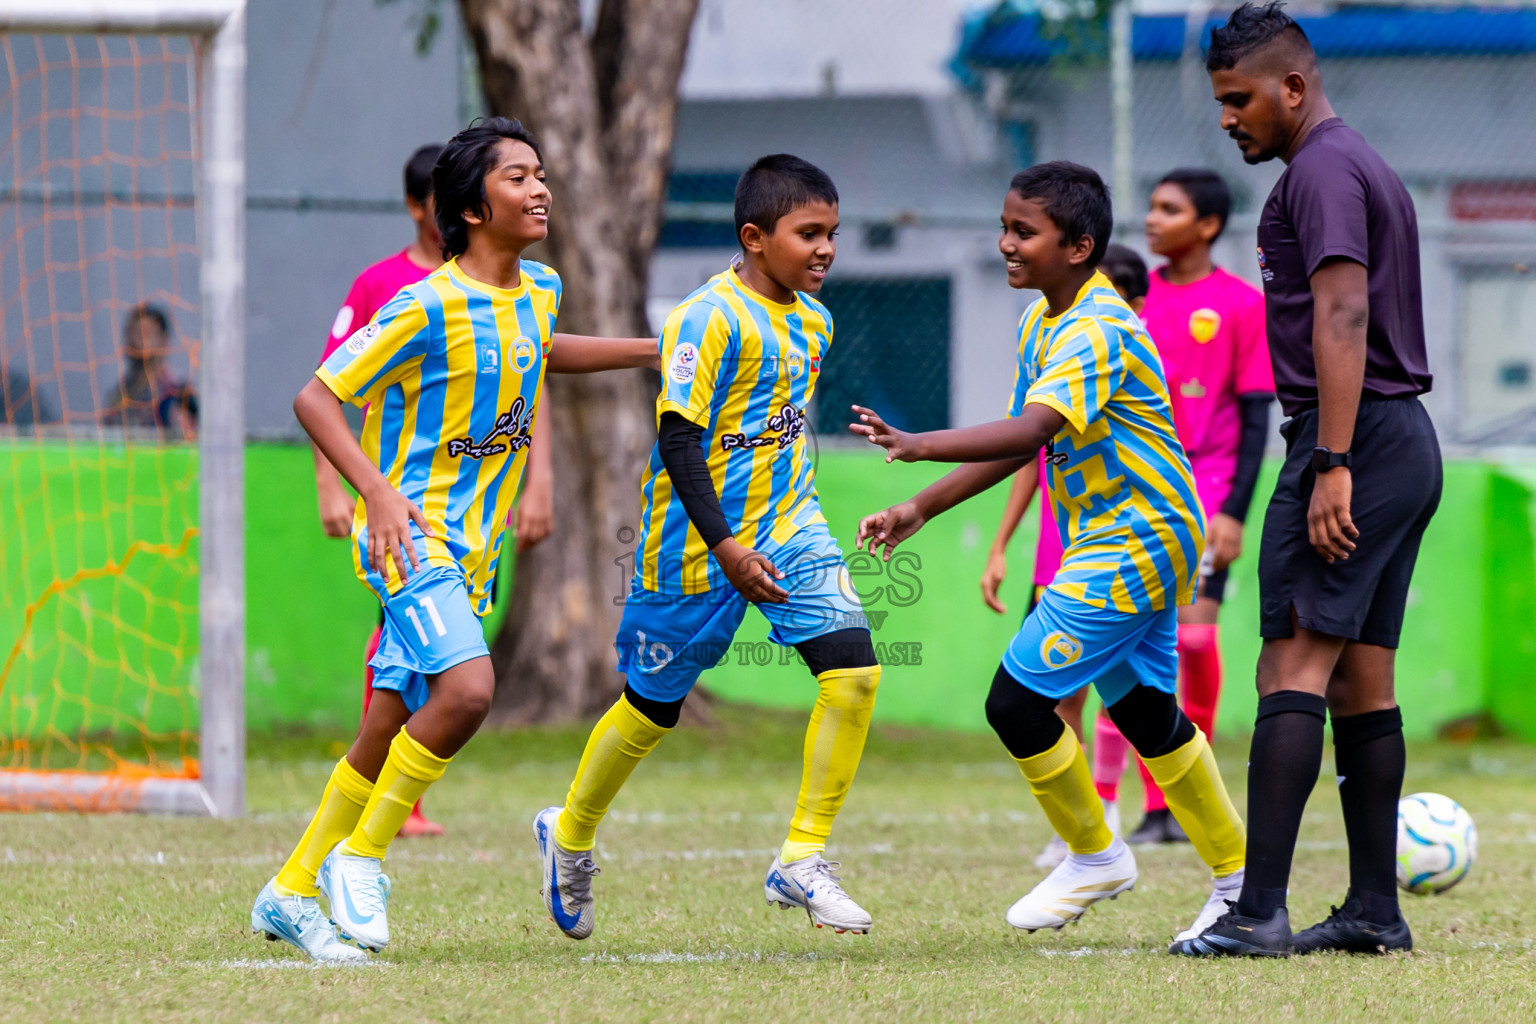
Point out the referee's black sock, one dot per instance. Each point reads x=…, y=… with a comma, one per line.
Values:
x=1283, y=764
x=1368, y=750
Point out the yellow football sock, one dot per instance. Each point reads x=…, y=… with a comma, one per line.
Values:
x=1190, y=780
x=408, y=770
x=834, y=742
x=346, y=794
x=1061, y=781
x=619, y=741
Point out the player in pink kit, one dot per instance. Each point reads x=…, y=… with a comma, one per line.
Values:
x=1128, y=274
x=373, y=288
x=1208, y=326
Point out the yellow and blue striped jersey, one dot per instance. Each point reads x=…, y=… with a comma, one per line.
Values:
x=1131, y=525
x=743, y=368
x=450, y=370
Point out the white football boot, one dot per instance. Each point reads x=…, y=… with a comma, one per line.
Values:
x=1223, y=895
x=358, y=890
x=297, y=921
x=1073, y=887
x=809, y=884
x=1056, y=850
x=566, y=879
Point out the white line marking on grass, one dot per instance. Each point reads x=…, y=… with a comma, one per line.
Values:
x=273, y=964
x=719, y=956
x=1087, y=951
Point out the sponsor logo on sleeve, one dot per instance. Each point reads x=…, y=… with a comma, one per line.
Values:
x=684, y=363
x=362, y=339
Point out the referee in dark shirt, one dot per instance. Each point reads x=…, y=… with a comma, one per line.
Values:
x=1339, y=254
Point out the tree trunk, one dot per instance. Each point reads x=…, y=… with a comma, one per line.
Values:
x=602, y=107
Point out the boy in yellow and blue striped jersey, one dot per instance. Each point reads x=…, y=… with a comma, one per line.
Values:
x=731, y=517
x=450, y=370
x=1092, y=392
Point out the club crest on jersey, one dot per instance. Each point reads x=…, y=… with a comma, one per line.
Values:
x=684, y=363
x=516, y=425
x=1203, y=325
x=796, y=365
x=1058, y=650
x=362, y=338
x=845, y=584
x=523, y=354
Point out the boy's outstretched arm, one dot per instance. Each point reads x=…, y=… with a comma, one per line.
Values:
x=390, y=513
x=576, y=353
x=1019, y=437
x=899, y=522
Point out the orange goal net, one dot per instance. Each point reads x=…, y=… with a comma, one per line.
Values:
x=101, y=412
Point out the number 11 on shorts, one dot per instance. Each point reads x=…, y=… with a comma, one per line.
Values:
x=430, y=607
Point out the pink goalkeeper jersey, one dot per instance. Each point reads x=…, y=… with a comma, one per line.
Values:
x=1048, y=547
x=373, y=287
x=1210, y=335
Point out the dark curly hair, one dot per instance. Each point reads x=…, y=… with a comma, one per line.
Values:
x=1252, y=27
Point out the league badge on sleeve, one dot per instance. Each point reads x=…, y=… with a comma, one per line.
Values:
x=363, y=338
x=684, y=363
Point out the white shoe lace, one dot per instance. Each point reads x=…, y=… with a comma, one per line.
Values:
x=819, y=876
x=371, y=894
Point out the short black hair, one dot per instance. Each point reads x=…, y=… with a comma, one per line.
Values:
x=1075, y=198
x=149, y=311
x=775, y=186
x=1207, y=191
x=418, y=171
x=1126, y=271
x=458, y=177
x=1251, y=27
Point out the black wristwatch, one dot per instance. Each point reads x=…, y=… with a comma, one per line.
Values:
x=1324, y=459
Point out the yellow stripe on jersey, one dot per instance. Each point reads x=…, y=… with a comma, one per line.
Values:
x=1124, y=495
x=744, y=369
x=451, y=371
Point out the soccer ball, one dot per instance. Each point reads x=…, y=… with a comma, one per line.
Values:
x=1436, y=843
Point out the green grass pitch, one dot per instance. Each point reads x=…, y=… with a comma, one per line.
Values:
x=125, y=918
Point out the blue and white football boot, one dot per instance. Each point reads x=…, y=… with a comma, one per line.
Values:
x=809, y=884
x=297, y=921
x=358, y=891
x=565, y=881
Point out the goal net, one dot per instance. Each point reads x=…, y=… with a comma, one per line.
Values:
x=120, y=412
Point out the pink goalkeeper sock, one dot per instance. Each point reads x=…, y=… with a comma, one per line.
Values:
x=1109, y=749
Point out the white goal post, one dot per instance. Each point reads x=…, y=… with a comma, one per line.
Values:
x=220, y=200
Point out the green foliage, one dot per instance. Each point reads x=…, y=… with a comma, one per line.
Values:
x=427, y=21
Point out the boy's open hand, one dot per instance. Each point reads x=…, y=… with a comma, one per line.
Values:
x=898, y=444
x=750, y=572
x=890, y=527
x=390, y=515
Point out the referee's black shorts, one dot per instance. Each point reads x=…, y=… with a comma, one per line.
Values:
x=1397, y=478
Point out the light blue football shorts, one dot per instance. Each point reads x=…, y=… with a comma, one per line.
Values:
x=1065, y=644
x=666, y=640
x=429, y=627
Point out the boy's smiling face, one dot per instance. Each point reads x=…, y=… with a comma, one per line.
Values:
x=516, y=197
x=1032, y=248
x=799, y=251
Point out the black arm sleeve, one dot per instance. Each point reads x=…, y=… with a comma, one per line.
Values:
x=683, y=456
x=1250, y=453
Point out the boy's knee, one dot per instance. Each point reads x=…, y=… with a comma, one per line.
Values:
x=1150, y=719
x=1024, y=720
x=468, y=694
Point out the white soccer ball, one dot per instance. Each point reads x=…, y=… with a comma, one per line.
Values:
x=1436, y=843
